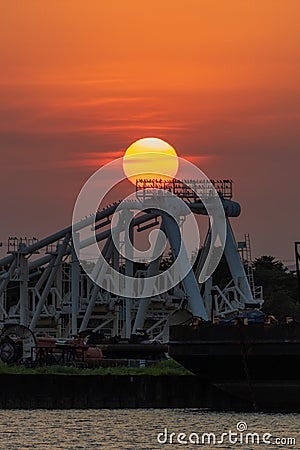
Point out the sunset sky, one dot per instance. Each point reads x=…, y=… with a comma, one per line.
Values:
x=218, y=79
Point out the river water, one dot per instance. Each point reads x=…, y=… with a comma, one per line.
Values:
x=146, y=429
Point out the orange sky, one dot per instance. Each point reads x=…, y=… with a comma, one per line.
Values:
x=219, y=80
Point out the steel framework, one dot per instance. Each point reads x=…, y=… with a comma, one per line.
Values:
x=43, y=287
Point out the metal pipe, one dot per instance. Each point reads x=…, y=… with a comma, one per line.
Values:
x=87, y=242
x=107, y=251
x=61, y=234
x=129, y=269
x=144, y=302
x=235, y=265
x=105, y=234
x=6, y=280
x=103, y=324
x=24, y=278
x=45, y=274
x=231, y=209
x=189, y=281
x=39, y=307
x=39, y=262
x=297, y=258
x=75, y=279
x=203, y=258
x=149, y=225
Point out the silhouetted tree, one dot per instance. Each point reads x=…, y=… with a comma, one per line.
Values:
x=279, y=287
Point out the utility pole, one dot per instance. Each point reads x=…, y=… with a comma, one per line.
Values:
x=297, y=257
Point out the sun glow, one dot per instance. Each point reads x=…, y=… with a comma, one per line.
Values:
x=150, y=158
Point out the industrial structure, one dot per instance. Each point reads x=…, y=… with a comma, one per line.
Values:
x=43, y=287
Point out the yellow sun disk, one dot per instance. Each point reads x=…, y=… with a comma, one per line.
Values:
x=150, y=158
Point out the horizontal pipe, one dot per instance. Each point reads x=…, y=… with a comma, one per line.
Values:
x=231, y=208
x=149, y=225
x=61, y=234
x=87, y=242
x=101, y=225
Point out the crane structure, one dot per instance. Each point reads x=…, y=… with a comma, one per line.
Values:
x=44, y=287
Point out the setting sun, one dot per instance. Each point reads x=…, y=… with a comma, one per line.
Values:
x=150, y=158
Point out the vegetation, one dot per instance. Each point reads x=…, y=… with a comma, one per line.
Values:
x=168, y=367
x=279, y=287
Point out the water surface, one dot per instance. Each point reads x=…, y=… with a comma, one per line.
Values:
x=139, y=429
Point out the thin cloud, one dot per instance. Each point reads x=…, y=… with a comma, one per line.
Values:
x=57, y=81
x=111, y=128
x=105, y=100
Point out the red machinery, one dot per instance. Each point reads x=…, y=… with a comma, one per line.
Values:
x=52, y=351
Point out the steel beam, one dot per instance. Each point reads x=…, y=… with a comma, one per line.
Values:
x=129, y=268
x=75, y=280
x=60, y=253
x=145, y=301
x=107, y=251
x=189, y=281
x=236, y=266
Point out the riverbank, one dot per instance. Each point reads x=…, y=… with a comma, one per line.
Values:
x=57, y=391
x=163, y=385
x=28, y=391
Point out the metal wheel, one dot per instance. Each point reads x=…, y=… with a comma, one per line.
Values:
x=23, y=339
x=8, y=351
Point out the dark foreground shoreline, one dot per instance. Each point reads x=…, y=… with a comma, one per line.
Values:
x=45, y=391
